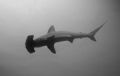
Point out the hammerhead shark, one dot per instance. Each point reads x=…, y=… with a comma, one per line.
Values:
x=53, y=36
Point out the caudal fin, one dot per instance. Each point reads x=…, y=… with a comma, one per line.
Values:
x=92, y=34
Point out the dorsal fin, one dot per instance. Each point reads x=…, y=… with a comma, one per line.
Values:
x=51, y=29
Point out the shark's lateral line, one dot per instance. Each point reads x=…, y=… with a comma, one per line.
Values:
x=53, y=36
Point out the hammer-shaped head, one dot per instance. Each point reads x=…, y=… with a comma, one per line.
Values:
x=29, y=44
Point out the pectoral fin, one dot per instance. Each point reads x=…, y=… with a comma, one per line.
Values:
x=50, y=44
x=71, y=40
x=51, y=48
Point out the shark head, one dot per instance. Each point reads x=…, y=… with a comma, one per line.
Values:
x=29, y=44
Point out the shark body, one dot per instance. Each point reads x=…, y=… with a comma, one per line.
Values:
x=53, y=36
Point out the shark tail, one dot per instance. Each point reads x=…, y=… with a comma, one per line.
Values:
x=92, y=37
x=92, y=34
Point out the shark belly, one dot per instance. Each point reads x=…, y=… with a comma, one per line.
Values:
x=40, y=43
x=60, y=39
